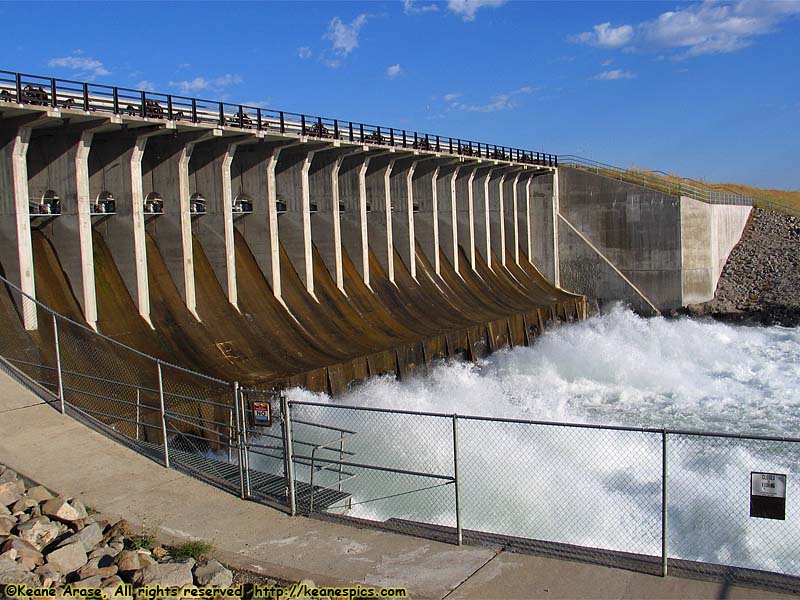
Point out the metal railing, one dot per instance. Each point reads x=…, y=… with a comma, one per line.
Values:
x=674, y=186
x=653, y=500
x=657, y=500
x=37, y=90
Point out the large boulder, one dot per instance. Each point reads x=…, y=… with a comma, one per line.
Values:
x=90, y=536
x=11, y=491
x=90, y=582
x=102, y=566
x=127, y=562
x=8, y=475
x=7, y=523
x=39, y=532
x=48, y=575
x=103, y=551
x=177, y=573
x=213, y=573
x=25, y=551
x=39, y=493
x=12, y=572
x=68, y=559
x=24, y=504
x=64, y=511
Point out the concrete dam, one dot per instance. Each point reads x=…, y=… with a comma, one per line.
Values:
x=273, y=248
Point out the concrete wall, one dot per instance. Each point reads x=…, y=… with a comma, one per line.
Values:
x=708, y=234
x=542, y=210
x=636, y=229
x=622, y=241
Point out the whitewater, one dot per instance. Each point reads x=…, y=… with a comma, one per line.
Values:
x=590, y=487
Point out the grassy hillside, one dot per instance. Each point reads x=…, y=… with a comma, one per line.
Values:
x=781, y=200
x=789, y=198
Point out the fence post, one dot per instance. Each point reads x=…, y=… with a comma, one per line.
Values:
x=163, y=414
x=457, y=481
x=230, y=435
x=239, y=448
x=58, y=366
x=664, y=477
x=138, y=411
x=245, y=452
x=288, y=454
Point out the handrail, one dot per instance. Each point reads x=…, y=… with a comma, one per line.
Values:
x=108, y=339
x=663, y=182
x=25, y=88
x=658, y=430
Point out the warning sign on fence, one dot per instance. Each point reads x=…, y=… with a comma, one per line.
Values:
x=768, y=495
x=260, y=414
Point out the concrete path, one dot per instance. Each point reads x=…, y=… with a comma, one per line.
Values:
x=62, y=454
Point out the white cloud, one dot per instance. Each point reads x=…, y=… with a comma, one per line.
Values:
x=504, y=101
x=606, y=63
x=411, y=7
x=304, y=52
x=202, y=83
x=467, y=8
x=606, y=36
x=709, y=27
x=344, y=38
x=86, y=67
x=613, y=75
x=393, y=70
x=257, y=103
x=145, y=85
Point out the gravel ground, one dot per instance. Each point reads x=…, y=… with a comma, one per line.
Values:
x=761, y=280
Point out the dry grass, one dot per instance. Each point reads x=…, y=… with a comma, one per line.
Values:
x=765, y=198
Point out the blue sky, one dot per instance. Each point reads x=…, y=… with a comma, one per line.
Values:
x=708, y=90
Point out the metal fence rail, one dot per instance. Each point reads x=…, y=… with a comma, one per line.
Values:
x=663, y=182
x=24, y=88
x=644, y=498
x=640, y=498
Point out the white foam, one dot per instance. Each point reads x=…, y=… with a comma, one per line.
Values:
x=591, y=487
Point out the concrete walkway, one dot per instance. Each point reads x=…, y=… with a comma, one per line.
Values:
x=70, y=458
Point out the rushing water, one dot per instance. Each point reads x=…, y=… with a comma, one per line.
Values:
x=584, y=486
x=620, y=369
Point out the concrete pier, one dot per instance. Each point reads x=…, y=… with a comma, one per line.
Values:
x=115, y=163
x=165, y=171
x=360, y=248
x=16, y=252
x=376, y=172
x=401, y=193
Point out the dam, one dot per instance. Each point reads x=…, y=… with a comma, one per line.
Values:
x=172, y=265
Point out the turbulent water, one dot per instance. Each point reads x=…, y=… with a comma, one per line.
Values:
x=590, y=487
x=620, y=369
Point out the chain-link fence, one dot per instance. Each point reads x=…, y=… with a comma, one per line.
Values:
x=638, y=498
x=179, y=417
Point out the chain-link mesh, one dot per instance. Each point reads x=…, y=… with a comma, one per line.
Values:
x=709, y=503
x=264, y=447
x=579, y=486
x=27, y=342
x=591, y=493
x=201, y=426
x=374, y=465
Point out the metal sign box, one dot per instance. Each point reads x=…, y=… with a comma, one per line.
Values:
x=768, y=495
x=260, y=414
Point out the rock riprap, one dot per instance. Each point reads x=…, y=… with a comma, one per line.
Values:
x=760, y=282
x=50, y=541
